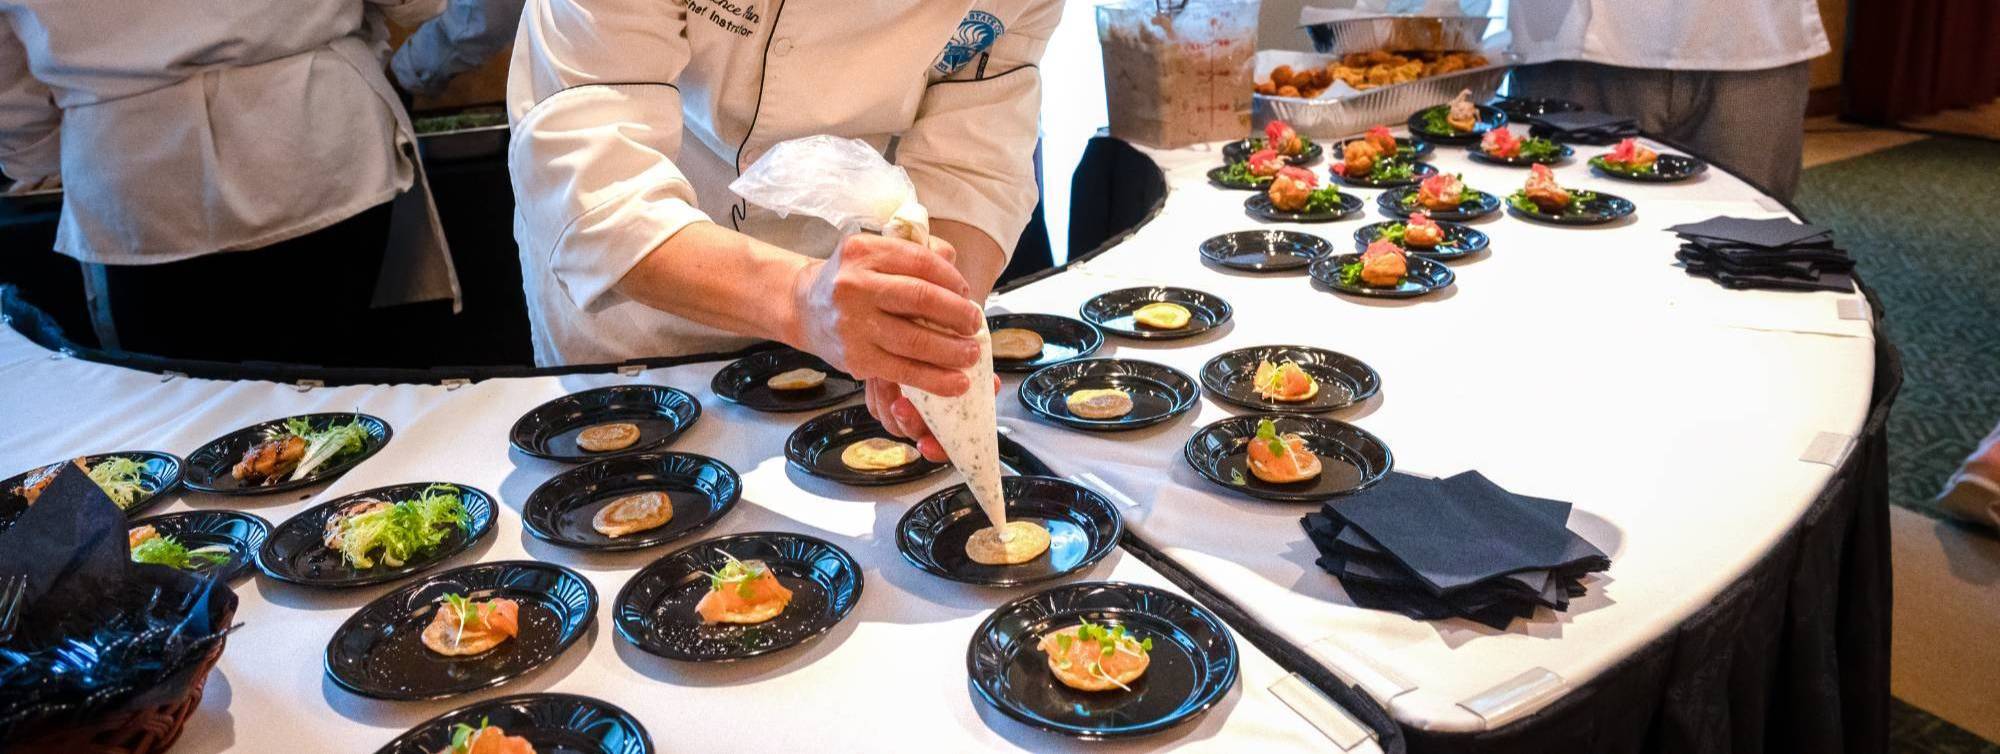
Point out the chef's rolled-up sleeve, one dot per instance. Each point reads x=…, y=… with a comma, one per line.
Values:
x=30, y=122
x=596, y=123
x=971, y=151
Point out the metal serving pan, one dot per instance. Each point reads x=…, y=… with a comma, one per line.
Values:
x=1328, y=117
x=1399, y=33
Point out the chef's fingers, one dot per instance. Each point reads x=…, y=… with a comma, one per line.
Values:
x=943, y=249
x=903, y=371
x=917, y=299
x=909, y=417
x=931, y=450
x=910, y=260
x=879, y=394
x=911, y=340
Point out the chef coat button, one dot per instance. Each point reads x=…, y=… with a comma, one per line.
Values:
x=782, y=47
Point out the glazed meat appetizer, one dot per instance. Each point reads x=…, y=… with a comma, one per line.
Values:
x=271, y=459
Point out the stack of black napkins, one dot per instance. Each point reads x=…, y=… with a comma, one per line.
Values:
x=1455, y=547
x=1772, y=253
x=1583, y=127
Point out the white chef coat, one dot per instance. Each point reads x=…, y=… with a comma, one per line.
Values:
x=632, y=116
x=1680, y=35
x=187, y=127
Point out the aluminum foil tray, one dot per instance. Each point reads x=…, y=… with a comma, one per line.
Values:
x=1399, y=33
x=1333, y=117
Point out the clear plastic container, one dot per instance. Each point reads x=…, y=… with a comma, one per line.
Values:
x=1178, y=73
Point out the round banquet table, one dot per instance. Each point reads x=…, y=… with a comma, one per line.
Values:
x=1724, y=447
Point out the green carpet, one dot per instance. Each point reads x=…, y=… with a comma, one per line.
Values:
x=1923, y=223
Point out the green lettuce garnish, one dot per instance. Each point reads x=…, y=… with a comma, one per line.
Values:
x=403, y=531
x=461, y=736
x=325, y=445
x=1437, y=120
x=1537, y=148
x=1621, y=168
x=169, y=552
x=119, y=477
x=1323, y=199
x=1239, y=173
x=1393, y=233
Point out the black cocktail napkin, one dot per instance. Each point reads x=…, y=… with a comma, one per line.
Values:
x=1583, y=127
x=1461, y=546
x=1771, y=232
x=1769, y=253
x=97, y=632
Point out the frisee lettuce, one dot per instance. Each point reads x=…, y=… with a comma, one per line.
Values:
x=1537, y=148
x=1393, y=233
x=119, y=477
x=1239, y=173
x=169, y=552
x=403, y=531
x=1323, y=199
x=324, y=445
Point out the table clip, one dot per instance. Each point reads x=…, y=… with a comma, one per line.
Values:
x=1851, y=308
x=1515, y=697
x=61, y=353
x=1828, y=449
x=306, y=385
x=169, y=375
x=1321, y=713
x=631, y=370
x=454, y=383
x=1355, y=670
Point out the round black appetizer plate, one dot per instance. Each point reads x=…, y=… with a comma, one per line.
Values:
x=1241, y=149
x=661, y=413
x=1489, y=118
x=1478, y=204
x=1112, y=312
x=1083, y=528
x=815, y=447
x=745, y=382
x=379, y=652
x=701, y=490
x=1522, y=108
x=1216, y=177
x=552, y=723
x=1422, y=277
x=1563, y=152
x=1158, y=392
x=1418, y=172
x=1406, y=148
x=209, y=466
x=1350, y=459
x=1460, y=241
x=161, y=474
x=1265, y=250
x=1063, y=339
x=1597, y=210
x=240, y=534
x=297, y=553
x=1343, y=380
x=1193, y=661
x=655, y=611
x=1259, y=206
x=1669, y=168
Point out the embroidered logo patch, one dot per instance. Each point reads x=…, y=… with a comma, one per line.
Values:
x=975, y=34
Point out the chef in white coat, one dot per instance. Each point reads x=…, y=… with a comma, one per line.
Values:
x=241, y=182
x=1725, y=79
x=631, y=117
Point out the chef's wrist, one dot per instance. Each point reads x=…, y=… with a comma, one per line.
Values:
x=793, y=316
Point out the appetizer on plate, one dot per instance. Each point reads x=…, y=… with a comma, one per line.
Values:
x=1014, y=543
x=1279, y=137
x=1543, y=196
x=1459, y=116
x=395, y=532
x=1298, y=190
x=878, y=454
x=463, y=627
x=486, y=739
x=1443, y=192
x=1381, y=265
x=1419, y=232
x=1281, y=459
x=1106, y=403
x=1016, y=343
x=118, y=476
x=633, y=513
x=1366, y=160
x=1501, y=143
x=1385, y=142
x=1628, y=157
x=291, y=452
x=1284, y=381
x=609, y=436
x=1093, y=657
x=1163, y=315
x=742, y=591
x=803, y=378
x=149, y=546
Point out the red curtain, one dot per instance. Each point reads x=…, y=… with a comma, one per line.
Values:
x=1907, y=58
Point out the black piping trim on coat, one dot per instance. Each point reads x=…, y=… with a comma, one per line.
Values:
x=741, y=209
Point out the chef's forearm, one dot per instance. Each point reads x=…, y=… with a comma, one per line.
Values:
x=721, y=278
x=980, y=258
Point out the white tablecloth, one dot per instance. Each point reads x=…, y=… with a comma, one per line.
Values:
x=891, y=677
x=1569, y=363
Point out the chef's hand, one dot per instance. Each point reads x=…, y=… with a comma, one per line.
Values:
x=859, y=311
x=899, y=415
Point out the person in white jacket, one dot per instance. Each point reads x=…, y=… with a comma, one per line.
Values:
x=233, y=171
x=631, y=117
x=1726, y=79
x=458, y=40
